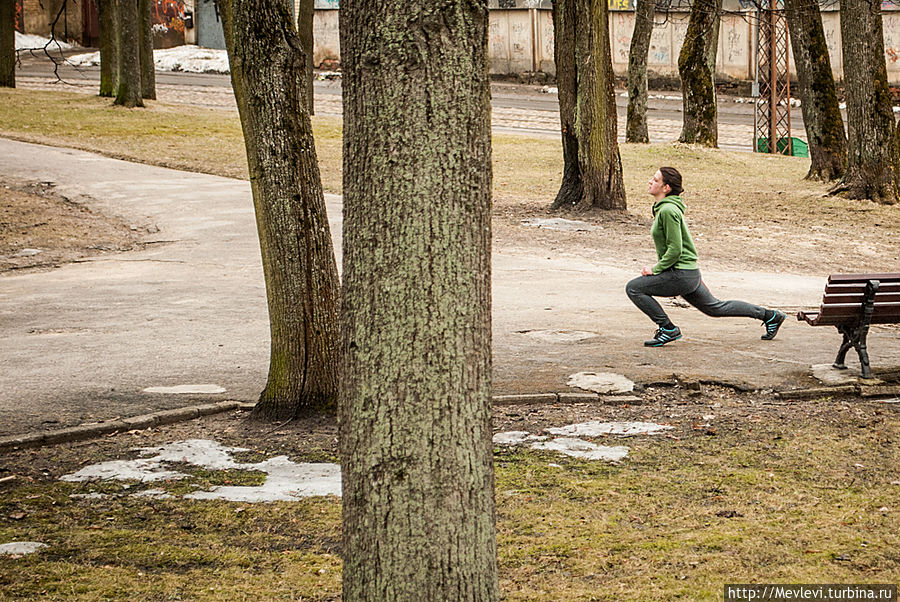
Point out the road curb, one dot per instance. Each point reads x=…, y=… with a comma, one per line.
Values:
x=88, y=431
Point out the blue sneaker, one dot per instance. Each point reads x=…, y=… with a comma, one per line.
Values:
x=663, y=336
x=772, y=325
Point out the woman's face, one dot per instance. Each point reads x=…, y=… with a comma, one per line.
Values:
x=657, y=188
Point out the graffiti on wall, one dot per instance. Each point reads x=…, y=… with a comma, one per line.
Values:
x=19, y=24
x=168, y=23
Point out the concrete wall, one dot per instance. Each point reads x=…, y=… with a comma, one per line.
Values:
x=521, y=40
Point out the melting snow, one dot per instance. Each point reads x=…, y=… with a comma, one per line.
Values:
x=558, y=223
x=583, y=449
x=189, y=58
x=27, y=41
x=598, y=429
x=186, y=389
x=285, y=480
x=20, y=548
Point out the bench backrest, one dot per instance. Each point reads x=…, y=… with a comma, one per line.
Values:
x=845, y=293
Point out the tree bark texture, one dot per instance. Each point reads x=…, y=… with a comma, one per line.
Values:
x=109, y=70
x=128, y=93
x=305, y=15
x=819, y=103
x=148, y=67
x=592, y=170
x=415, y=406
x=302, y=286
x=8, y=43
x=636, y=121
x=871, y=149
x=696, y=66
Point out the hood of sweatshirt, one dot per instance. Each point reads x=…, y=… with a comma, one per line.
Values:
x=669, y=200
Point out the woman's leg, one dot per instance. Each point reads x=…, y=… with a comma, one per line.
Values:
x=670, y=283
x=703, y=300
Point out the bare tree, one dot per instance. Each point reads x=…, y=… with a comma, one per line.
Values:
x=697, y=68
x=872, y=151
x=415, y=409
x=636, y=121
x=302, y=287
x=128, y=90
x=821, y=112
x=109, y=52
x=8, y=43
x=592, y=168
x=148, y=67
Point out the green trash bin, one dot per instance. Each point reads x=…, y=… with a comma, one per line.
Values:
x=798, y=147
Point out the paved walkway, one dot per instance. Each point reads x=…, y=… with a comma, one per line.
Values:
x=82, y=342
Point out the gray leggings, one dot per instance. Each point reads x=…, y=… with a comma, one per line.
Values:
x=687, y=284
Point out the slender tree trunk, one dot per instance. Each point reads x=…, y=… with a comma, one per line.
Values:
x=636, y=123
x=302, y=287
x=592, y=172
x=128, y=93
x=305, y=29
x=8, y=43
x=415, y=415
x=696, y=66
x=872, y=151
x=148, y=67
x=109, y=70
x=821, y=112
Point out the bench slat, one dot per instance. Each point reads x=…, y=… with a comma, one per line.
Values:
x=884, y=287
x=884, y=277
x=842, y=313
x=880, y=297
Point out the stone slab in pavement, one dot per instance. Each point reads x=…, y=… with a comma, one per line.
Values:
x=82, y=342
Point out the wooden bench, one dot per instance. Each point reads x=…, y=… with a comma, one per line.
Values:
x=851, y=303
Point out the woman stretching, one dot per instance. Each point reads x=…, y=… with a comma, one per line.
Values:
x=676, y=273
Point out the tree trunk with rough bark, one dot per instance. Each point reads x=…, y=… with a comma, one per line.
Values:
x=415, y=415
x=592, y=171
x=819, y=103
x=871, y=149
x=696, y=66
x=128, y=93
x=302, y=286
x=109, y=59
x=148, y=67
x=8, y=43
x=636, y=121
x=305, y=29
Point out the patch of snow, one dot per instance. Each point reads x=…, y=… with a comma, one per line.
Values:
x=188, y=58
x=598, y=429
x=601, y=382
x=550, y=90
x=558, y=223
x=28, y=253
x=515, y=438
x=181, y=389
x=20, y=548
x=88, y=496
x=578, y=448
x=27, y=41
x=285, y=480
x=565, y=336
x=157, y=494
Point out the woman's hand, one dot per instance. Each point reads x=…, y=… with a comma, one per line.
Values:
x=647, y=271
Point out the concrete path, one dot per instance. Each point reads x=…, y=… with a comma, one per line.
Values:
x=82, y=342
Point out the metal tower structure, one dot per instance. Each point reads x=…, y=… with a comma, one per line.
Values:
x=772, y=118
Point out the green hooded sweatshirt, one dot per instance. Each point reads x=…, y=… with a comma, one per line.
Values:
x=674, y=247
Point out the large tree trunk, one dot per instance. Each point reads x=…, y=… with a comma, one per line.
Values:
x=8, y=43
x=148, y=67
x=305, y=15
x=302, y=287
x=415, y=415
x=128, y=92
x=872, y=151
x=592, y=172
x=821, y=112
x=696, y=66
x=636, y=122
x=109, y=59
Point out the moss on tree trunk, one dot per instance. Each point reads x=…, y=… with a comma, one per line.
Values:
x=821, y=112
x=636, y=120
x=128, y=92
x=302, y=287
x=696, y=66
x=592, y=174
x=148, y=67
x=415, y=417
x=109, y=59
x=871, y=147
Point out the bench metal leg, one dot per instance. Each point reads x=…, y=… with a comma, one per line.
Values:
x=842, y=352
x=855, y=336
